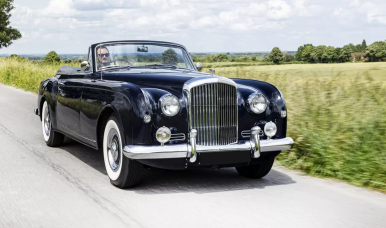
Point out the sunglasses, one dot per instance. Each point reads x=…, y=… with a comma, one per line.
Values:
x=101, y=55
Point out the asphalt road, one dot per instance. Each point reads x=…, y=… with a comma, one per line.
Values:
x=69, y=187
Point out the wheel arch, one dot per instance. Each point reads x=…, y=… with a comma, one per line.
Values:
x=102, y=121
x=46, y=94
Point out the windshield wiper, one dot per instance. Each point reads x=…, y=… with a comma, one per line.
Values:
x=161, y=65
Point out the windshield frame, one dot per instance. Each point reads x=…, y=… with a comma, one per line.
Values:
x=158, y=43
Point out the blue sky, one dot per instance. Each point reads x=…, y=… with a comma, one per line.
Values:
x=70, y=26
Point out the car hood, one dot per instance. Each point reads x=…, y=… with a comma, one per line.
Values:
x=173, y=80
x=164, y=79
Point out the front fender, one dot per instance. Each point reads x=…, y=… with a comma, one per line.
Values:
x=276, y=104
x=47, y=92
x=131, y=105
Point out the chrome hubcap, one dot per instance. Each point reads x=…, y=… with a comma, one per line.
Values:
x=113, y=150
x=47, y=122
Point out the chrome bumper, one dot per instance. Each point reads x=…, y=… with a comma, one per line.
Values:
x=190, y=150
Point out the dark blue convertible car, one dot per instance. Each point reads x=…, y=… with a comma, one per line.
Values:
x=145, y=103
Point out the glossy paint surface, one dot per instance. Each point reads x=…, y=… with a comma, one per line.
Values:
x=80, y=101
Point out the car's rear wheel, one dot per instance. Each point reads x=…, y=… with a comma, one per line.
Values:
x=51, y=137
x=123, y=172
x=256, y=170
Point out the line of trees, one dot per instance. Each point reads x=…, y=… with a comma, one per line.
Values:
x=328, y=54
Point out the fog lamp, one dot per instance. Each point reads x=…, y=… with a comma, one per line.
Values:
x=163, y=135
x=270, y=129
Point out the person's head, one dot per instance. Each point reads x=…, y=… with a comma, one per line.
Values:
x=103, y=55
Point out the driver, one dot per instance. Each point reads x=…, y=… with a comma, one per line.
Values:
x=103, y=56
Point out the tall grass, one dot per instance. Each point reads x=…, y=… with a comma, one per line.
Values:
x=336, y=115
x=25, y=74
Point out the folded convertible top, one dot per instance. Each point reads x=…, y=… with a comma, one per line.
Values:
x=69, y=70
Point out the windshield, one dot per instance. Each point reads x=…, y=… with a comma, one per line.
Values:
x=141, y=55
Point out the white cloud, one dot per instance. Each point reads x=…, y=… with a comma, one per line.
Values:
x=58, y=9
x=278, y=9
x=211, y=25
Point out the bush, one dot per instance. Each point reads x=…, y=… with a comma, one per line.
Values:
x=52, y=57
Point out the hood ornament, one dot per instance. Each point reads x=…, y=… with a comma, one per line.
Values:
x=213, y=71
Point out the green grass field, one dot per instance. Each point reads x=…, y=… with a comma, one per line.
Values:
x=336, y=113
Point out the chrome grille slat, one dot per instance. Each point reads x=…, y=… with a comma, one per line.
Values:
x=214, y=113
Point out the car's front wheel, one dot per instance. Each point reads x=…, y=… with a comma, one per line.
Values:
x=256, y=170
x=123, y=172
x=51, y=137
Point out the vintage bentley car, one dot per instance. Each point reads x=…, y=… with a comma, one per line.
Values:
x=145, y=104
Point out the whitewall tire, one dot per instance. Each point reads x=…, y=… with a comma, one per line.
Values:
x=51, y=137
x=122, y=171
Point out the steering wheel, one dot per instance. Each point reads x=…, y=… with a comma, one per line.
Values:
x=122, y=60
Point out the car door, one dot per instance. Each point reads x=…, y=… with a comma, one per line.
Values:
x=68, y=103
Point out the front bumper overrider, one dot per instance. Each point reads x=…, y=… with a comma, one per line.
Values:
x=190, y=150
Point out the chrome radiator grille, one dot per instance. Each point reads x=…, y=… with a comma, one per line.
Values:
x=213, y=113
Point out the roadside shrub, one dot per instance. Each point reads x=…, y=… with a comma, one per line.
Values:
x=52, y=57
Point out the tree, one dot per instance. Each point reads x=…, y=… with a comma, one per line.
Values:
x=364, y=45
x=345, y=53
x=169, y=56
x=352, y=47
x=52, y=57
x=338, y=57
x=376, y=51
x=7, y=33
x=298, y=54
x=317, y=52
x=307, y=52
x=329, y=55
x=288, y=57
x=276, y=55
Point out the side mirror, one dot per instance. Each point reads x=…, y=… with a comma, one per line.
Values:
x=199, y=66
x=85, y=65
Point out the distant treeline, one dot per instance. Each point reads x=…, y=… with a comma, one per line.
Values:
x=234, y=57
x=327, y=54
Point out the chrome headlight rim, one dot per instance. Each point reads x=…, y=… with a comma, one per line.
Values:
x=163, y=108
x=257, y=95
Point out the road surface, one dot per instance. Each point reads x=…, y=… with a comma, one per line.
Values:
x=69, y=187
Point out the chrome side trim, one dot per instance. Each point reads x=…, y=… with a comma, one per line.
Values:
x=186, y=150
x=177, y=137
x=246, y=134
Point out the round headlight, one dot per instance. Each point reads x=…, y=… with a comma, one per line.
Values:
x=163, y=134
x=170, y=105
x=257, y=103
x=270, y=129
